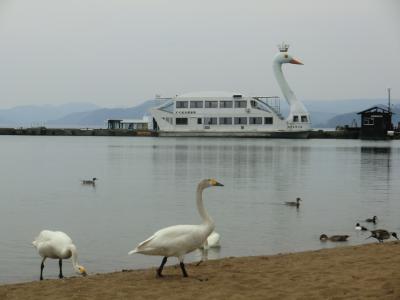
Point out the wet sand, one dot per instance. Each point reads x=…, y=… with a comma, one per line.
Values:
x=369, y=271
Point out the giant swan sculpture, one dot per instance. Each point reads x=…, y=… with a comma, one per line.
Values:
x=296, y=107
x=180, y=239
x=57, y=245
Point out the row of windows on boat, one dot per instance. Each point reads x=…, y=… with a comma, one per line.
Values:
x=210, y=104
x=224, y=121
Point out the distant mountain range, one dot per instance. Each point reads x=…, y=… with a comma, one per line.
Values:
x=99, y=117
x=324, y=114
x=34, y=115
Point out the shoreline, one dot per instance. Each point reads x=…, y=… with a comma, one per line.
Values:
x=369, y=270
x=345, y=133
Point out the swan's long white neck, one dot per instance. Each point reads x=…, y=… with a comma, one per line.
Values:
x=295, y=106
x=200, y=207
x=74, y=256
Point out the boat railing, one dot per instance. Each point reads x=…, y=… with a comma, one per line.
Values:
x=273, y=103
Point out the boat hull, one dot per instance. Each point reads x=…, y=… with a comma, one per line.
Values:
x=238, y=134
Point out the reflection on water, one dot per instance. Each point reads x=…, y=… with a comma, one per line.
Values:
x=149, y=183
x=376, y=162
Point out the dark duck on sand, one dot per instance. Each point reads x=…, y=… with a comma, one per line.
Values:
x=382, y=234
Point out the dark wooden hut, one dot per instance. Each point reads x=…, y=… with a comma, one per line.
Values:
x=375, y=123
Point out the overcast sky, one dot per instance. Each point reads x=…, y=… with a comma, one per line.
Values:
x=122, y=52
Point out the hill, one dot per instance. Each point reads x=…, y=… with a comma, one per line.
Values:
x=39, y=114
x=98, y=117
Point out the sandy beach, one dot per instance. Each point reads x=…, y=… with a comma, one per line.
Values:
x=369, y=271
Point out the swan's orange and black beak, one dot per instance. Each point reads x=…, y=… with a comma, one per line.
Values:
x=296, y=62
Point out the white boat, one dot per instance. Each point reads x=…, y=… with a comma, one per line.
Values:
x=225, y=114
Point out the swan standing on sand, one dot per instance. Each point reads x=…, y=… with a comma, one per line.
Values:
x=57, y=245
x=180, y=239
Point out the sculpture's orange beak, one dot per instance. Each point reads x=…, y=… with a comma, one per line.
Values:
x=296, y=62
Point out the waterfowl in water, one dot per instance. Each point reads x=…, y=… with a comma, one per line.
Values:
x=334, y=238
x=371, y=220
x=57, y=245
x=294, y=203
x=92, y=182
x=359, y=227
x=179, y=240
x=382, y=234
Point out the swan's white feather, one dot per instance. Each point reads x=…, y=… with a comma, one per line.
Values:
x=174, y=240
x=53, y=244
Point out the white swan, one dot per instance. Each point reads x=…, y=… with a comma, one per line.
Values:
x=57, y=245
x=296, y=107
x=180, y=239
x=212, y=241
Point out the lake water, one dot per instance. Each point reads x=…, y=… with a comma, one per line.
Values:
x=149, y=183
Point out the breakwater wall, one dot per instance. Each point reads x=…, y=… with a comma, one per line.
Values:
x=75, y=132
x=316, y=134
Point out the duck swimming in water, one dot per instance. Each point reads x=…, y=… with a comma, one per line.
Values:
x=359, y=227
x=334, y=238
x=92, y=182
x=294, y=203
x=382, y=234
x=371, y=220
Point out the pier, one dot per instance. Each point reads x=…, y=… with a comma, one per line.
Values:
x=343, y=133
x=75, y=132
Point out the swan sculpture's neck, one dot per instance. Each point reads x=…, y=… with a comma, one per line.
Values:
x=200, y=207
x=296, y=107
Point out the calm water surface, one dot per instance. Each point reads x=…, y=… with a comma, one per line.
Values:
x=149, y=183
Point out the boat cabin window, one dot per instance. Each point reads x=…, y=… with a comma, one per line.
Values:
x=240, y=120
x=210, y=121
x=225, y=121
x=196, y=104
x=255, y=120
x=268, y=120
x=304, y=119
x=181, y=104
x=199, y=121
x=295, y=118
x=241, y=104
x=181, y=121
x=225, y=104
x=211, y=104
